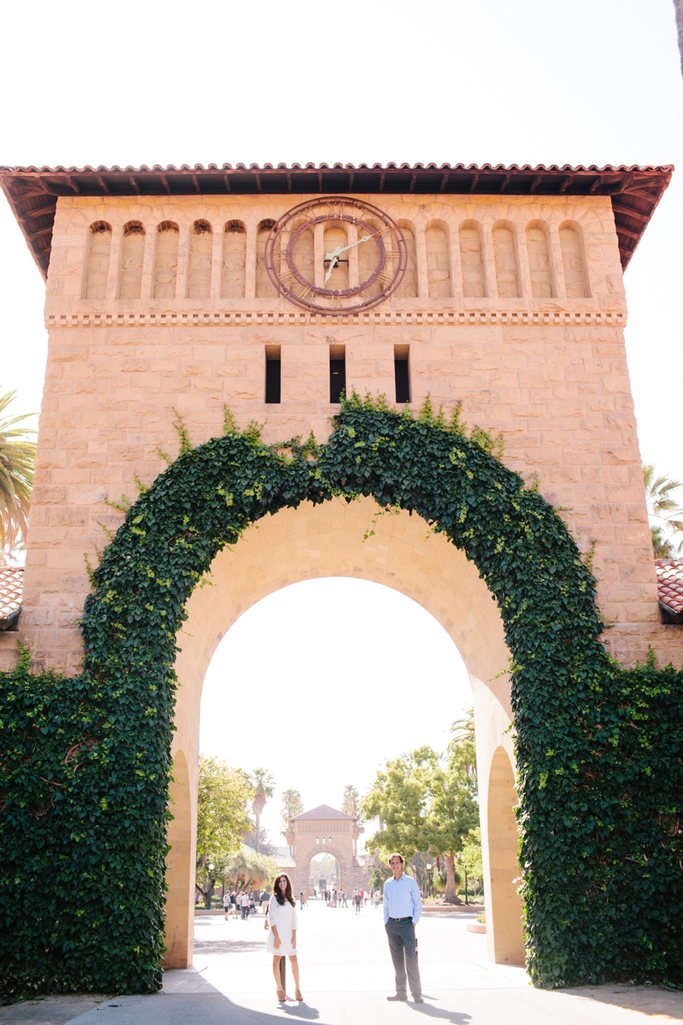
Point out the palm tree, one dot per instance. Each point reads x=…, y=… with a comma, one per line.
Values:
x=16, y=475
x=263, y=784
x=662, y=506
x=291, y=805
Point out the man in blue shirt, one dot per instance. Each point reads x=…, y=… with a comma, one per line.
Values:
x=402, y=910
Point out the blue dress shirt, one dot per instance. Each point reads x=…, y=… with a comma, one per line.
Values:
x=402, y=899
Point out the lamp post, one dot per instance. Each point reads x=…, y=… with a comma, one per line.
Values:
x=429, y=880
x=211, y=867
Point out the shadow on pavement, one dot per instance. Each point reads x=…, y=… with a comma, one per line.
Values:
x=646, y=999
x=50, y=1010
x=226, y=946
x=302, y=1011
x=457, y=1017
x=189, y=998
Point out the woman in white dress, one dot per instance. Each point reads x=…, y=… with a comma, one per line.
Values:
x=282, y=936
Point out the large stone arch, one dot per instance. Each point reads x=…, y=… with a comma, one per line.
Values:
x=488, y=557
x=328, y=541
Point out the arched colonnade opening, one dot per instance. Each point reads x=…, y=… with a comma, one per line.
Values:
x=324, y=872
x=327, y=540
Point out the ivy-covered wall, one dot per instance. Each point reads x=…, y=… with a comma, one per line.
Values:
x=85, y=762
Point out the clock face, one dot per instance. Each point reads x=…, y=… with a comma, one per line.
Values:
x=336, y=255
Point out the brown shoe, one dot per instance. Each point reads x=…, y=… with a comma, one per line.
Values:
x=398, y=997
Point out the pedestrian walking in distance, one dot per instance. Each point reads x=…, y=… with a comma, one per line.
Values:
x=402, y=910
x=281, y=940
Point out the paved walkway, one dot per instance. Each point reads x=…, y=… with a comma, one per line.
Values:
x=346, y=975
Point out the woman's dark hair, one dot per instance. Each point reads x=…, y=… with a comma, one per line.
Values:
x=288, y=892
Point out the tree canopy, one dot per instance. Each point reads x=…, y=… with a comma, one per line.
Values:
x=263, y=785
x=291, y=805
x=427, y=803
x=666, y=515
x=351, y=804
x=17, y=455
x=222, y=814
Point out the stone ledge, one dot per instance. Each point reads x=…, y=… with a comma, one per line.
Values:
x=246, y=318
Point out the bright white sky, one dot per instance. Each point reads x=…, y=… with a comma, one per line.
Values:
x=534, y=81
x=352, y=701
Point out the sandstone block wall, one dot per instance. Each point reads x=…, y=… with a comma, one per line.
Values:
x=518, y=312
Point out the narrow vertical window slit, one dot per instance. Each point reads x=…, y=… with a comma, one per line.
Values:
x=337, y=372
x=401, y=373
x=273, y=374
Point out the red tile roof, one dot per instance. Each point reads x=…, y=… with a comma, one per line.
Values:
x=11, y=588
x=32, y=191
x=670, y=583
x=322, y=812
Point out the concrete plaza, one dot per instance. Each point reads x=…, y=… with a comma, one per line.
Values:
x=346, y=975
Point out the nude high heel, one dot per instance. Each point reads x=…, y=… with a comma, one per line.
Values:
x=298, y=996
x=281, y=996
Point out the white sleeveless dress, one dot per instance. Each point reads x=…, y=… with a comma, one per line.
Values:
x=285, y=918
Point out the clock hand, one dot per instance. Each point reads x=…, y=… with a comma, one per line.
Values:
x=365, y=238
x=334, y=261
x=333, y=257
x=334, y=253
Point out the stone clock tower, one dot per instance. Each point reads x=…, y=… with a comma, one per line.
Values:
x=178, y=291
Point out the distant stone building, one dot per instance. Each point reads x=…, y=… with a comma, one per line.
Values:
x=324, y=830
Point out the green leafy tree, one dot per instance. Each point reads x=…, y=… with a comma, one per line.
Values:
x=263, y=784
x=400, y=798
x=17, y=455
x=666, y=515
x=453, y=807
x=245, y=869
x=463, y=729
x=351, y=804
x=222, y=817
x=470, y=857
x=378, y=869
x=428, y=803
x=291, y=805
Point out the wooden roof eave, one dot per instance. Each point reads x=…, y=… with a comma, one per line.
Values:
x=643, y=186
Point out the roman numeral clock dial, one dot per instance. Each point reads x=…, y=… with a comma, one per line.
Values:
x=336, y=256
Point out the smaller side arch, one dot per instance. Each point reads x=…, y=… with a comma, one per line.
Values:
x=180, y=865
x=506, y=261
x=503, y=904
x=540, y=260
x=438, y=260
x=234, y=260
x=199, y=271
x=265, y=289
x=574, y=260
x=166, y=269
x=132, y=255
x=472, y=260
x=98, y=249
x=408, y=287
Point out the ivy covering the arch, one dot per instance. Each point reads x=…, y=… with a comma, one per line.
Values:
x=85, y=762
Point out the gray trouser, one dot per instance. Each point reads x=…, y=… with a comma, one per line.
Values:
x=403, y=947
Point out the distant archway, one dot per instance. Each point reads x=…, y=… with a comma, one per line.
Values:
x=317, y=871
